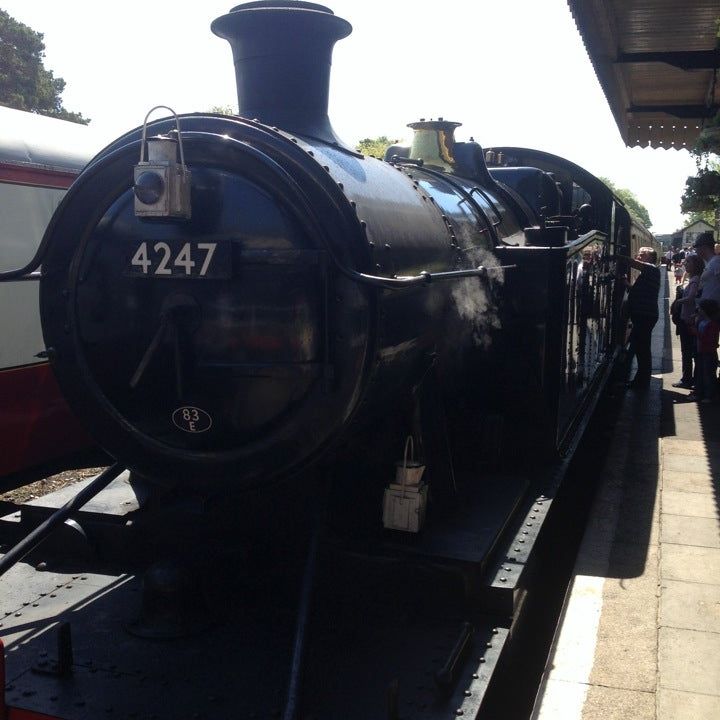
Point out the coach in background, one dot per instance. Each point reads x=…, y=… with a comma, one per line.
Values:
x=710, y=278
x=643, y=311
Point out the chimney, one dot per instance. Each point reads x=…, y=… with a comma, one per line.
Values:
x=282, y=51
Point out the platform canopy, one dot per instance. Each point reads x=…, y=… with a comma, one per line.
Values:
x=657, y=62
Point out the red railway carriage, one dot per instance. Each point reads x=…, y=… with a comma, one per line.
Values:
x=39, y=159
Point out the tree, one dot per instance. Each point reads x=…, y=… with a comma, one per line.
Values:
x=375, y=146
x=223, y=110
x=25, y=84
x=707, y=216
x=702, y=191
x=634, y=206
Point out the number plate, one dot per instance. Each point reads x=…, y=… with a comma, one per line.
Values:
x=180, y=259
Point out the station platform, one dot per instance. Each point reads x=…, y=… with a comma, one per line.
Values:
x=640, y=632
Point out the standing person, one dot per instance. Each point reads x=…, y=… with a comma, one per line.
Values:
x=668, y=259
x=708, y=332
x=679, y=273
x=686, y=322
x=643, y=310
x=710, y=278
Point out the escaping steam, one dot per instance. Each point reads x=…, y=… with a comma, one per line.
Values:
x=475, y=301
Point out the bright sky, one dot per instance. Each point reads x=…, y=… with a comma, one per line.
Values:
x=514, y=73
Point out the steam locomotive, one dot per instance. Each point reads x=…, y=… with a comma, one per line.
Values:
x=246, y=312
x=239, y=301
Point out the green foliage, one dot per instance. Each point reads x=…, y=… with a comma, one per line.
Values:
x=634, y=206
x=375, y=146
x=702, y=192
x=25, y=84
x=707, y=216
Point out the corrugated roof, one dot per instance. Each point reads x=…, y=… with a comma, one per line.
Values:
x=657, y=62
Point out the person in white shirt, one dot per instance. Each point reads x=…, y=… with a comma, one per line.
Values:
x=710, y=278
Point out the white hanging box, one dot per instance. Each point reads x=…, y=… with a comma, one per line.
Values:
x=405, y=500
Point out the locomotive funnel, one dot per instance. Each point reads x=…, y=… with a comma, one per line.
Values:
x=282, y=51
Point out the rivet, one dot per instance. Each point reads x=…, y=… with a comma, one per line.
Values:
x=53, y=595
x=459, y=711
x=475, y=676
x=311, y=153
x=325, y=167
x=522, y=540
x=293, y=140
x=524, y=532
x=507, y=568
x=18, y=614
x=528, y=524
x=341, y=186
x=503, y=579
x=482, y=660
x=488, y=644
x=467, y=693
x=494, y=631
x=25, y=604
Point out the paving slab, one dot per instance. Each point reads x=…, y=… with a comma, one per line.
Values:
x=688, y=481
x=690, y=563
x=677, y=705
x=692, y=606
x=607, y=703
x=626, y=651
x=695, y=448
x=675, y=502
x=689, y=660
x=684, y=530
x=687, y=463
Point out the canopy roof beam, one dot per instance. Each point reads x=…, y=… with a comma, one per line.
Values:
x=685, y=60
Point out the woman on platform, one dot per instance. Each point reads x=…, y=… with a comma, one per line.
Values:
x=694, y=266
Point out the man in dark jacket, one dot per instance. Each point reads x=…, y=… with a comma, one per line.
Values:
x=643, y=309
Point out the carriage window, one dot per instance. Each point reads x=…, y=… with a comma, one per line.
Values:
x=25, y=211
